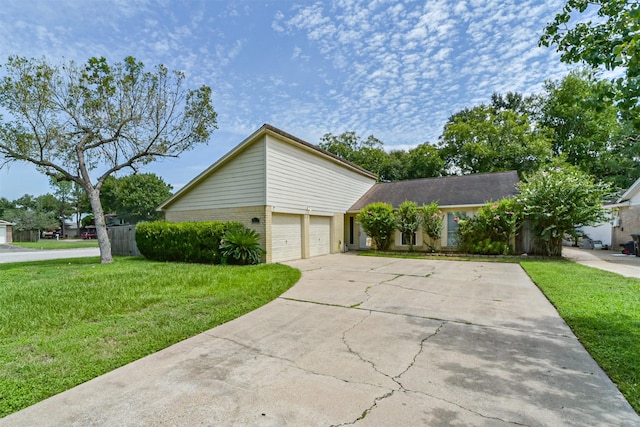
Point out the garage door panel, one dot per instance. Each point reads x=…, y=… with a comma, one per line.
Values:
x=286, y=237
x=319, y=235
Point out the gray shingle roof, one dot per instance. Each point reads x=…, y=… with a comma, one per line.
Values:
x=476, y=189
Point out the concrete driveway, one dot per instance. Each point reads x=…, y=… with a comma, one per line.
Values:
x=364, y=341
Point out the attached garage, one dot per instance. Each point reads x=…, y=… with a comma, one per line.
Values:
x=286, y=237
x=292, y=193
x=3, y=234
x=319, y=235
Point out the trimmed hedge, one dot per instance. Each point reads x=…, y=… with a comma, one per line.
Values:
x=194, y=242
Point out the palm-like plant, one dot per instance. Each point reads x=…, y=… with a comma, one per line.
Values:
x=241, y=246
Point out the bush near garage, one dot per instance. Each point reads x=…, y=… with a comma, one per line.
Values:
x=241, y=246
x=379, y=221
x=194, y=242
x=491, y=230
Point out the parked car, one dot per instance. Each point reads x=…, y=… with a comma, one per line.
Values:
x=89, y=235
x=51, y=234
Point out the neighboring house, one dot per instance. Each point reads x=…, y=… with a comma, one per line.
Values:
x=302, y=200
x=626, y=216
x=5, y=232
x=294, y=194
x=457, y=196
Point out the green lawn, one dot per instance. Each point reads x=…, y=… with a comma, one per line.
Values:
x=58, y=244
x=64, y=322
x=603, y=310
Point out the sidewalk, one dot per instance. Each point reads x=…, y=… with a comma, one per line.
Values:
x=615, y=262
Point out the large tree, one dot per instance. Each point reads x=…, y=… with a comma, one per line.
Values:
x=84, y=123
x=490, y=138
x=64, y=201
x=33, y=213
x=135, y=198
x=422, y=161
x=367, y=153
x=587, y=132
x=609, y=42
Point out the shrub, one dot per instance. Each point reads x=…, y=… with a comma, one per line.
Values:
x=378, y=221
x=197, y=242
x=557, y=201
x=432, y=223
x=491, y=230
x=241, y=246
x=408, y=220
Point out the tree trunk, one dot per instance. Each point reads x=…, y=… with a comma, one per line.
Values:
x=101, y=227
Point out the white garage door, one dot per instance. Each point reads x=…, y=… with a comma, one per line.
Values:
x=3, y=234
x=319, y=235
x=286, y=237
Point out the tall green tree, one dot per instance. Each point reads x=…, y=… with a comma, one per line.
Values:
x=366, y=153
x=587, y=131
x=135, y=198
x=486, y=139
x=559, y=199
x=64, y=195
x=611, y=42
x=84, y=123
x=33, y=213
x=423, y=161
x=5, y=205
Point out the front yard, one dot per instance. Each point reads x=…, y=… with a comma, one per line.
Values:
x=64, y=322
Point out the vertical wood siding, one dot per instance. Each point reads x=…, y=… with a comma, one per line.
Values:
x=298, y=179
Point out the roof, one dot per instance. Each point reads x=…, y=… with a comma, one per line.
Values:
x=459, y=190
x=2, y=222
x=630, y=193
x=265, y=129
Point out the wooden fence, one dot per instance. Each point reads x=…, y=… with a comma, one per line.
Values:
x=123, y=240
x=25, y=235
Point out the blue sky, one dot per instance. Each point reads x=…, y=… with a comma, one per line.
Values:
x=396, y=70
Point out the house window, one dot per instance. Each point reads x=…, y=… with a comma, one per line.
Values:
x=405, y=241
x=452, y=227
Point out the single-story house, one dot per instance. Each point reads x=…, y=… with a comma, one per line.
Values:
x=302, y=200
x=625, y=216
x=6, y=235
x=457, y=196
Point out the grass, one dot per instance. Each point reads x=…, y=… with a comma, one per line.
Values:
x=603, y=310
x=58, y=244
x=64, y=322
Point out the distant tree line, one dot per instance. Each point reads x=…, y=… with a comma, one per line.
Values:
x=133, y=198
x=569, y=122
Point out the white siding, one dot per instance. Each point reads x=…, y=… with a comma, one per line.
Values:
x=239, y=182
x=286, y=237
x=298, y=179
x=319, y=235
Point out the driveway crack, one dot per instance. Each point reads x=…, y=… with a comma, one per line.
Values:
x=396, y=379
x=488, y=417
